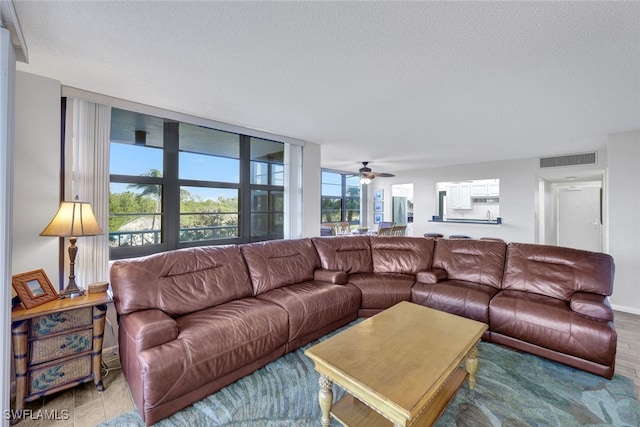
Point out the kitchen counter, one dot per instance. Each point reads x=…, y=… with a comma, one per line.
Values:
x=496, y=221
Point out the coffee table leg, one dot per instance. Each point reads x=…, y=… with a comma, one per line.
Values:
x=471, y=364
x=325, y=397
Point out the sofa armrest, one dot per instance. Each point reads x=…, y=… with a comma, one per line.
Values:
x=432, y=276
x=148, y=328
x=332, y=276
x=591, y=305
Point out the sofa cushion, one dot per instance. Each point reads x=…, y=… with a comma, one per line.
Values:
x=180, y=281
x=383, y=290
x=550, y=323
x=212, y=343
x=279, y=263
x=351, y=254
x=556, y=271
x=313, y=305
x=458, y=297
x=406, y=255
x=478, y=261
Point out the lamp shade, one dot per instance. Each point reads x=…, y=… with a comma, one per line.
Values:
x=73, y=219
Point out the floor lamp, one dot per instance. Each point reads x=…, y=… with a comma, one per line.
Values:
x=73, y=219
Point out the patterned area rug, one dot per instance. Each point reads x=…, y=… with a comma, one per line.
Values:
x=514, y=389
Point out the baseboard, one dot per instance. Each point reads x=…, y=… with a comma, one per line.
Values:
x=630, y=310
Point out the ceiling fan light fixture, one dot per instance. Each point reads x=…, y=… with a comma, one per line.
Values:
x=366, y=174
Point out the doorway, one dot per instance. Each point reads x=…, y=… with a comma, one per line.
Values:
x=570, y=209
x=402, y=204
x=579, y=216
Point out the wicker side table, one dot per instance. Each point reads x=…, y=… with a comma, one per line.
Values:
x=57, y=345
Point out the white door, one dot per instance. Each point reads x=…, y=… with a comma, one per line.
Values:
x=579, y=224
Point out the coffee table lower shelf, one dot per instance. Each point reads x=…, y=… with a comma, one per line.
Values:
x=349, y=411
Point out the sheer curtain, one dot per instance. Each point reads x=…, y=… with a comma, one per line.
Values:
x=87, y=176
x=293, y=191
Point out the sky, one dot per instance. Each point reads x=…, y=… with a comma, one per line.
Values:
x=127, y=159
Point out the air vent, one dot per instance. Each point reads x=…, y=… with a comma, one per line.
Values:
x=568, y=160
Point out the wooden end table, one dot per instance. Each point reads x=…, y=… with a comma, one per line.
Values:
x=57, y=345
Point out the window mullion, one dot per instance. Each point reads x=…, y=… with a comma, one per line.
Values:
x=244, y=205
x=171, y=187
x=343, y=181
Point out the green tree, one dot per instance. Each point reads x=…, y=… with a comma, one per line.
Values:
x=150, y=190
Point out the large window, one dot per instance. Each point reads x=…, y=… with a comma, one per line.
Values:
x=340, y=198
x=177, y=184
x=267, y=188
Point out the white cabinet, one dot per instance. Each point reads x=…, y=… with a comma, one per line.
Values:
x=478, y=189
x=485, y=189
x=493, y=189
x=459, y=196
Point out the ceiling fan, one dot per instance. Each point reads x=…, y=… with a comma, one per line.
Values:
x=366, y=175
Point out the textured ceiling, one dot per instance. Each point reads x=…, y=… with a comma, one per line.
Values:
x=404, y=85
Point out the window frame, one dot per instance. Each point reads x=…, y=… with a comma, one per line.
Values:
x=344, y=197
x=171, y=184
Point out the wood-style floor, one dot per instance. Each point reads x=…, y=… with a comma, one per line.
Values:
x=628, y=353
x=88, y=407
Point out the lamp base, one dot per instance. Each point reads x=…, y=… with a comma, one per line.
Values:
x=72, y=294
x=72, y=290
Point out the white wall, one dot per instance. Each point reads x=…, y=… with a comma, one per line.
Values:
x=622, y=185
x=36, y=179
x=311, y=190
x=518, y=185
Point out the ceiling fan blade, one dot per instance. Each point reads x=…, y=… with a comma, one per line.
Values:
x=368, y=175
x=366, y=172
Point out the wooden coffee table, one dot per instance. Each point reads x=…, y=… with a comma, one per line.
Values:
x=400, y=367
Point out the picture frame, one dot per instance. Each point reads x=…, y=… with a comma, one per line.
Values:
x=377, y=218
x=33, y=288
x=378, y=194
x=378, y=206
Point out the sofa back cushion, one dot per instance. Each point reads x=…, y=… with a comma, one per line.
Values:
x=395, y=254
x=180, y=281
x=557, y=271
x=278, y=263
x=351, y=254
x=478, y=261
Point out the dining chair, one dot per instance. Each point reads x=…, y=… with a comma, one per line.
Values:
x=398, y=230
x=331, y=226
x=343, y=228
x=385, y=231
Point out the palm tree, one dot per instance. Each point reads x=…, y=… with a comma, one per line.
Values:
x=152, y=190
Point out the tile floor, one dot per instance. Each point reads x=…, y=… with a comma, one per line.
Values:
x=87, y=407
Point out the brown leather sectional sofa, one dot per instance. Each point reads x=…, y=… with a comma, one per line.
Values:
x=194, y=320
